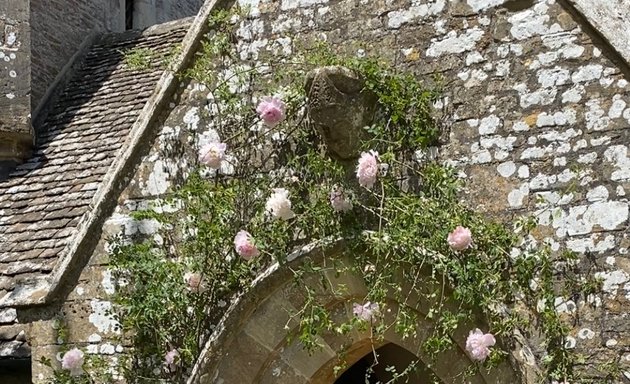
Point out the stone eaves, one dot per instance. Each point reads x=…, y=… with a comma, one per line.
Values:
x=611, y=19
x=46, y=202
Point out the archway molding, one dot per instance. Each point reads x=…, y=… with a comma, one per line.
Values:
x=256, y=341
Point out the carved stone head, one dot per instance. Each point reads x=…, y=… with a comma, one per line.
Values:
x=339, y=109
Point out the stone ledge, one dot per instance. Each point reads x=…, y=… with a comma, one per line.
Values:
x=15, y=146
x=8, y=316
x=14, y=149
x=611, y=18
x=14, y=349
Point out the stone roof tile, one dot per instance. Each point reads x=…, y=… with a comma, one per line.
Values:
x=44, y=199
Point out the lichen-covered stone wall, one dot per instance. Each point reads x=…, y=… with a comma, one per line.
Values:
x=538, y=118
x=15, y=81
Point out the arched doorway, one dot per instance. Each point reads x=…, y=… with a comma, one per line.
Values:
x=382, y=364
x=257, y=339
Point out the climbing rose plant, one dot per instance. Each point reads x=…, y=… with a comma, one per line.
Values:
x=271, y=111
x=339, y=199
x=460, y=238
x=73, y=362
x=244, y=245
x=279, y=206
x=478, y=344
x=275, y=189
x=366, y=312
x=212, y=154
x=367, y=169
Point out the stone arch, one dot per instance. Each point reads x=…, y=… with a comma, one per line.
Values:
x=379, y=360
x=256, y=341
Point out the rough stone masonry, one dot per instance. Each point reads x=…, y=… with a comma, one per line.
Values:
x=538, y=121
x=537, y=106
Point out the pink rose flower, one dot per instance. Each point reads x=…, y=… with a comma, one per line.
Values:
x=367, y=169
x=339, y=201
x=478, y=344
x=279, y=205
x=171, y=359
x=193, y=281
x=460, y=238
x=212, y=154
x=366, y=311
x=73, y=361
x=244, y=245
x=271, y=111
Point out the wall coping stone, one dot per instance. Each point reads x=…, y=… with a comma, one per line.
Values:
x=611, y=19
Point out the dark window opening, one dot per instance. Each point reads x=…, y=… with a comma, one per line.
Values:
x=15, y=371
x=128, y=14
x=391, y=358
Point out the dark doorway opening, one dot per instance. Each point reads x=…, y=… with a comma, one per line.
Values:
x=129, y=14
x=15, y=371
x=365, y=371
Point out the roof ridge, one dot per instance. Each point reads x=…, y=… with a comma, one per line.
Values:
x=156, y=29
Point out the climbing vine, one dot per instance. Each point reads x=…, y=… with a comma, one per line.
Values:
x=265, y=185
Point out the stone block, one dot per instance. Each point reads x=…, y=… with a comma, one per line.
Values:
x=11, y=332
x=14, y=349
x=247, y=358
x=43, y=333
x=307, y=363
x=281, y=373
x=267, y=324
x=8, y=315
x=41, y=372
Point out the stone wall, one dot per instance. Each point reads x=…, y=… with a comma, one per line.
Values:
x=149, y=12
x=538, y=121
x=14, y=56
x=174, y=9
x=58, y=29
x=15, y=84
x=58, y=33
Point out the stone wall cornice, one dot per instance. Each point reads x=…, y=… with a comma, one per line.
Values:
x=611, y=19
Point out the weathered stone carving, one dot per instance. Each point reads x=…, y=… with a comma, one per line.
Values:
x=339, y=108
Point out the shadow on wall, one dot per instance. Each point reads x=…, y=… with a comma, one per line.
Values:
x=389, y=355
x=15, y=371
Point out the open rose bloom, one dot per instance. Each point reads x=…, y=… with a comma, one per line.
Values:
x=193, y=281
x=212, y=154
x=339, y=200
x=244, y=245
x=478, y=344
x=460, y=239
x=73, y=361
x=171, y=359
x=367, y=311
x=279, y=206
x=271, y=111
x=367, y=169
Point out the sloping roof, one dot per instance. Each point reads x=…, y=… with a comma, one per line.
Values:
x=44, y=201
